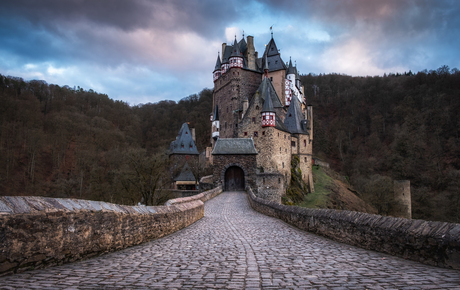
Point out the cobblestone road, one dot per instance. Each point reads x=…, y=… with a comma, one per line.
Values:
x=234, y=247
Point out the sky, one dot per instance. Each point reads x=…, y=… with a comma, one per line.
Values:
x=145, y=51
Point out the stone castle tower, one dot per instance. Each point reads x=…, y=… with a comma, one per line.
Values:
x=260, y=121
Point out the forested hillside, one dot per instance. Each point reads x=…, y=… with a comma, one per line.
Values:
x=376, y=129
x=64, y=142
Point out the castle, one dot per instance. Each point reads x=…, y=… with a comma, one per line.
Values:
x=260, y=121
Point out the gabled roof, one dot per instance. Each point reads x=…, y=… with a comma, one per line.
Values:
x=273, y=57
x=186, y=174
x=236, y=146
x=271, y=49
x=184, y=143
x=293, y=120
x=218, y=63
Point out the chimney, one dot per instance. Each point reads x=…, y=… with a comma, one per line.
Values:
x=251, y=53
x=192, y=130
x=224, y=45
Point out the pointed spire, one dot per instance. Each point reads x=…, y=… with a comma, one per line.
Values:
x=291, y=69
x=218, y=63
x=266, y=66
x=294, y=117
x=235, y=49
x=268, y=104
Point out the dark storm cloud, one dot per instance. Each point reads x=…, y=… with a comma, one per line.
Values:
x=199, y=16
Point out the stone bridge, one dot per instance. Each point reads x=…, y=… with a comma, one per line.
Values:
x=235, y=247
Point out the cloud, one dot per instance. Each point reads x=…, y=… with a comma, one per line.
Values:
x=141, y=48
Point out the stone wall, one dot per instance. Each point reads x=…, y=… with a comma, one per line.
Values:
x=37, y=231
x=229, y=92
x=432, y=243
x=203, y=197
x=270, y=186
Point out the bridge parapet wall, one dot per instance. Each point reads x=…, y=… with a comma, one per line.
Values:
x=37, y=231
x=204, y=196
x=432, y=243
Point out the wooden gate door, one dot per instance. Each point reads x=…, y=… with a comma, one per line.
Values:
x=234, y=179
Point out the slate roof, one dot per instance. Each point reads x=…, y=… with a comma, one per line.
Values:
x=273, y=57
x=184, y=143
x=226, y=53
x=263, y=88
x=238, y=146
x=291, y=69
x=293, y=120
x=218, y=63
x=236, y=50
x=268, y=104
x=185, y=174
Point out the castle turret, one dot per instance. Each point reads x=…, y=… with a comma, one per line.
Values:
x=268, y=112
x=226, y=52
x=236, y=58
x=217, y=70
x=290, y=82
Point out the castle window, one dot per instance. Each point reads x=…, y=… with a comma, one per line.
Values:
x=263, y=179
x=284, y=136
x=283, y=164
x=279, y=180
x=285, y=150
x=263, y=117
x=227, y=109
x=305, y=143
x=293, y=143
x=278, y=134
x=236, y=125
x=257, y=107
x=256, y=133
x=263, y=133
x=271, y=79
x=280, y=149
x=245, y=133
x=305, y=159
x=253, y=119
x=271, y=117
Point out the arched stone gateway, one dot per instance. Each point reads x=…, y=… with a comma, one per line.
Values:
x=234, y=179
